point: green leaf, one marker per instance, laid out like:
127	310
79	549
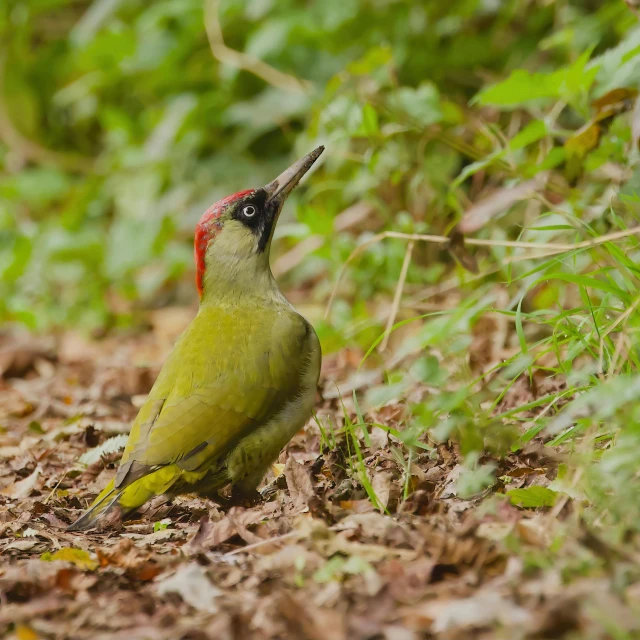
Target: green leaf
369	120
421	104
533	497
522	87
15	261
588	281
338	566
532	132
160	525
35	427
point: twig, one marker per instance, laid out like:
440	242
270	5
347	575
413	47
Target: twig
242	60
398	294
585	244
552	248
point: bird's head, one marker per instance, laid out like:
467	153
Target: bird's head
233	237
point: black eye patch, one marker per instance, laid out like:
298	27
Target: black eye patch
252	211
258	214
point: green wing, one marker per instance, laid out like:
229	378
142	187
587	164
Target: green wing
229	373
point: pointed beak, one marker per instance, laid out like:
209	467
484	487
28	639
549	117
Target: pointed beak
279	189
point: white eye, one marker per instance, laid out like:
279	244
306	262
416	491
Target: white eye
249	211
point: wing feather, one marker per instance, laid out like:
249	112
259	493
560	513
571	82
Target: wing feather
205	400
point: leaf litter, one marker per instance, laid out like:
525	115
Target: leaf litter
317	560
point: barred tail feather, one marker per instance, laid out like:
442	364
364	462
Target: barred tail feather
102	506
129	498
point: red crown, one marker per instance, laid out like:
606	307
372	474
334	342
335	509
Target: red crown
206	230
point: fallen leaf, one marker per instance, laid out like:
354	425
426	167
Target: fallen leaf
23	488
379	438
308	621
381	483
226	528
396	632
78	557
197	541
137	563
519	472
534	531
191	583
38	608
241	529
22	545
480	610
299	483
20	355
23	632
494	531
373	524
533	497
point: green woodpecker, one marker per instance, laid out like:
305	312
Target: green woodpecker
239	382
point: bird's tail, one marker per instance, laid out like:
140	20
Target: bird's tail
105	504
124	500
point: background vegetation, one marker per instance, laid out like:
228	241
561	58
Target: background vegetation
503	122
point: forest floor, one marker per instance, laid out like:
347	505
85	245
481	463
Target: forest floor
318	561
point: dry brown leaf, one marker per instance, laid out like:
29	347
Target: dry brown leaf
191	583
125	554
47	605
299	484
23	488
381	483
226	528
308	621
21	352
480	610
199	538
379	438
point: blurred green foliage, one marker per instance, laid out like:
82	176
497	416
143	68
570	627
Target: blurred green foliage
118	127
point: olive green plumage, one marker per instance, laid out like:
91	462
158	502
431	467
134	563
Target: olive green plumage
238	384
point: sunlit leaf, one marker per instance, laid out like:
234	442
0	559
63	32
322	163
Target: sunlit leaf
533	497
80	558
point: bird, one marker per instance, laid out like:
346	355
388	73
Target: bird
239	382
